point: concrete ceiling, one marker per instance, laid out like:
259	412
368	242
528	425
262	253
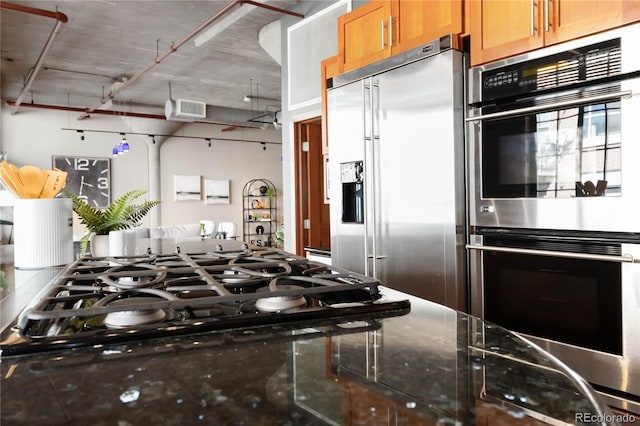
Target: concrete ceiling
106	42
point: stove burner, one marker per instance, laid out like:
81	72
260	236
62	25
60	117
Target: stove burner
280	303
129	276
132	318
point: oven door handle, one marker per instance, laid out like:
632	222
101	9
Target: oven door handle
625	258
572	102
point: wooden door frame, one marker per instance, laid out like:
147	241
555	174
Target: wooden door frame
301	200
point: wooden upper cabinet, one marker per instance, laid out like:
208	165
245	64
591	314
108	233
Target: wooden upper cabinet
363	35
418	22
382	28
503	28
571	19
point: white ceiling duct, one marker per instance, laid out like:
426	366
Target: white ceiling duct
184	110
221	115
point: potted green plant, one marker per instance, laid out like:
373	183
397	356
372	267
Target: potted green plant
123	213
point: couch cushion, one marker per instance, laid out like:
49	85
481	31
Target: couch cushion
186	230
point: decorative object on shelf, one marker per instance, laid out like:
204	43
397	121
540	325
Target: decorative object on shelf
187	187
257	204
260	213
121	214
216	191
89	178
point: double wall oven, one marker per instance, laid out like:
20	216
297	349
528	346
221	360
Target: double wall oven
554	204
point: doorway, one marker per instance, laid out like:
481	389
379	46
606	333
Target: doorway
312	208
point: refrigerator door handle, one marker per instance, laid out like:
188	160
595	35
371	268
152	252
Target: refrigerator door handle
367	132
375	93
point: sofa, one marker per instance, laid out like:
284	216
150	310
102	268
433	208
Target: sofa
226	230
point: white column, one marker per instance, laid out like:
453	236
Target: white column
153	153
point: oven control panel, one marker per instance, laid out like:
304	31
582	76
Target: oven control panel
588	63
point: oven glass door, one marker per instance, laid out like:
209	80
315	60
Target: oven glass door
569	300
558	153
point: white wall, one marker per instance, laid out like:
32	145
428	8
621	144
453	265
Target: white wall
32	136
237	161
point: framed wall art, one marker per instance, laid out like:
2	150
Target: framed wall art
216	191
188	187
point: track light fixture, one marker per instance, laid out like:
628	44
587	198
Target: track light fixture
81	134
122	147
209	141
125	144
153	138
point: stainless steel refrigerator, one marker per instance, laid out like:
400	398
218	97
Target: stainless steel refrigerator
396	172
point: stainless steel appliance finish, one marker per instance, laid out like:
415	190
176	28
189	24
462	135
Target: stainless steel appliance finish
117	299
574	294
403	120
552	137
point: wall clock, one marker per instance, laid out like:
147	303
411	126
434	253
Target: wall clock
89	178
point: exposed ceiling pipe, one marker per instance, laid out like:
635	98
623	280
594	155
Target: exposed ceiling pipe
78	109
61	19
175	46
215	115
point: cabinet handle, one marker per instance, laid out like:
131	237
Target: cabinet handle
382	34
533	28
390	30
546	16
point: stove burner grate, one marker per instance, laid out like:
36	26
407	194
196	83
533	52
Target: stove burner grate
98	300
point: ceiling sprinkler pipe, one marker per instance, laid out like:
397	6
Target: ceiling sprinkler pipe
175	46
33	11
221	118
61	20
78	109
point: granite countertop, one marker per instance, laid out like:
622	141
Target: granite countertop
431	366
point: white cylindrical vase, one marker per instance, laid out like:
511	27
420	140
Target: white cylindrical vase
43	232
123	243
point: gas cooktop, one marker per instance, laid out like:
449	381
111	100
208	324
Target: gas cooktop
115	299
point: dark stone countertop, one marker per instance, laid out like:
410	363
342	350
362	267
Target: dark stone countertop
431	366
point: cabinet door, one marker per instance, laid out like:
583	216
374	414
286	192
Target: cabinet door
363	35
570	19
418	22
502	28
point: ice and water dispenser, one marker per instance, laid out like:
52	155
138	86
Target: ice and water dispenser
351	175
